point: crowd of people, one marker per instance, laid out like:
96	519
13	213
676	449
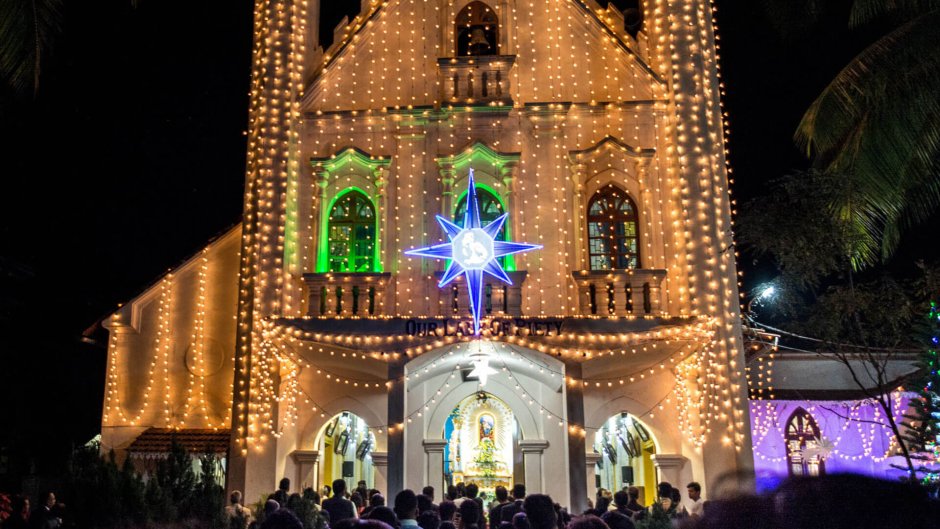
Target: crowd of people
831	502
463	507
47	515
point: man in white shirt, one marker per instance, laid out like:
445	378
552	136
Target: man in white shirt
696	503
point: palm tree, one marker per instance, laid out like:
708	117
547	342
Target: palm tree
27	28
878	124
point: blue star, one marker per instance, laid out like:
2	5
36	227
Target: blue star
473	251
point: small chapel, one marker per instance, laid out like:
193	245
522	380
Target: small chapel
483	241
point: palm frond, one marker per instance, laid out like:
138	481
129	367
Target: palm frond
27	29
872	11
878	122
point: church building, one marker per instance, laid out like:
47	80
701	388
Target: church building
483	241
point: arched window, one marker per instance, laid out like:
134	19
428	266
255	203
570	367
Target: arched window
477	30
352	234
490	208
802	437
612	230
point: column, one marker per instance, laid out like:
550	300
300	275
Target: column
380	463
591	460
532	450
380	179
434	452
307	475
396	428
448	175
578	177
574	405
669	468
322	177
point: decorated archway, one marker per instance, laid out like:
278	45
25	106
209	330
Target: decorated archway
482	440
626	446
346	443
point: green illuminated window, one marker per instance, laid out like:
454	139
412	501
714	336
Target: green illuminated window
352	234
613	241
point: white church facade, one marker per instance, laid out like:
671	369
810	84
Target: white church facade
613	355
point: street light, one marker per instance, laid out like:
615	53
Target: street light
767	292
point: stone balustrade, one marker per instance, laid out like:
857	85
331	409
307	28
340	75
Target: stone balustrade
476	80
619	292
346	294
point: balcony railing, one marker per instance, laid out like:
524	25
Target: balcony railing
476	80
498	297
346	294
619	292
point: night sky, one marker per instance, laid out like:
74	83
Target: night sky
133	156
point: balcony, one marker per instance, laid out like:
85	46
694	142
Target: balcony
499	299
478	80
346	294
619	292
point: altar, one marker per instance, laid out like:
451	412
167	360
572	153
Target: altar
480	436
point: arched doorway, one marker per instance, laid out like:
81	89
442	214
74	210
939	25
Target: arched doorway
345	443
626	447
482	439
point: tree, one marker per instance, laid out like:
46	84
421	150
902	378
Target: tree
877	122
865	322
923	422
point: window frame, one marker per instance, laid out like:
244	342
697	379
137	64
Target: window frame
796	442
353	223
609	223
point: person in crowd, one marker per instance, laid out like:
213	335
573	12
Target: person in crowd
587	521
385	515
376	500
338	506
446	510
358	501
601	503
371	523
460	494
471	515
502	499
312	496
19	515
634	506
236	514
540	510
270	506
406	508
424	503
325	492
676	509
520	521
282	492
362	489
429	492
46	515
618	520
472	491
622	503
515	506
696	503
429	520
451	493
282	519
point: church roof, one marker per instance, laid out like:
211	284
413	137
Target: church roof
157	441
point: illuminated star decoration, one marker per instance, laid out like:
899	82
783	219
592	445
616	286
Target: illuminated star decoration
473	251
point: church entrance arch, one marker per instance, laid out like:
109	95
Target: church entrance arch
482	439
626	446
525	398
346	443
